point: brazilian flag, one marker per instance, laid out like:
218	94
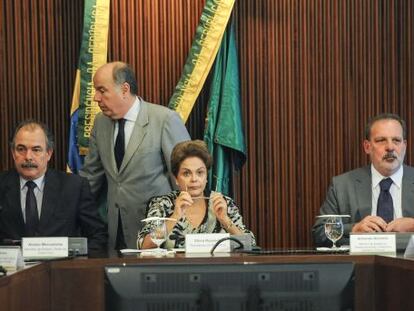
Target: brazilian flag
209	33
215	47
93	54
224	130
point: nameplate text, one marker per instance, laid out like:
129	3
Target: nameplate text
204	242
372	243
45	247
11	257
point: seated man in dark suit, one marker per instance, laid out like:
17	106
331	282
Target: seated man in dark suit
38	201
379	197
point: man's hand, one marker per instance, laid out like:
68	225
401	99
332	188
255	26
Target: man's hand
405	224
370	224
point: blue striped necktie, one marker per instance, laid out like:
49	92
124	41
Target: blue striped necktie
385	207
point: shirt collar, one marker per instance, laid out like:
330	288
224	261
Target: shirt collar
38	181
132	113
377	177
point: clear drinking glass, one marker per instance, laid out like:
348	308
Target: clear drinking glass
158	233
334	228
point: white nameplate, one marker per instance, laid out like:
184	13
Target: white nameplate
45	247
372	243
11	257
204	242
409	251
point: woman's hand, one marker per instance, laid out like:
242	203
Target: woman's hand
219	206
182	202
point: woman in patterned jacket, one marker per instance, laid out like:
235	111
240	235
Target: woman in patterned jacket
192	208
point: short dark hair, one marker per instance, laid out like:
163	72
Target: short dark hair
123	73
187	149
32	124
385	116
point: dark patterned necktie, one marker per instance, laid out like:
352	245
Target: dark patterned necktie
32	216
385	208
119	149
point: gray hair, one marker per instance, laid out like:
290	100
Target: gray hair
123	73
385	116
33	124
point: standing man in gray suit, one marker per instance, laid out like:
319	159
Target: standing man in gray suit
379	197
129	151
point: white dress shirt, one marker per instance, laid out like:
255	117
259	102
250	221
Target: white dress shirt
130	118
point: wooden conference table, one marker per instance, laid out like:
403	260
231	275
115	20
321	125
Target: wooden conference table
382	283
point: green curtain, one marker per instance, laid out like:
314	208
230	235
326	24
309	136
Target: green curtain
224	129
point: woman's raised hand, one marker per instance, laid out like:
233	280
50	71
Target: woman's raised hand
219	206
182	202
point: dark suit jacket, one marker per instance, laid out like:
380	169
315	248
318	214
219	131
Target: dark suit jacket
351	194
68	209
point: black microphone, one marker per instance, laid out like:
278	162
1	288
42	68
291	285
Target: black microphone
240	244
177	237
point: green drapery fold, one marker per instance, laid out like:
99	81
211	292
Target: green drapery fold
224	130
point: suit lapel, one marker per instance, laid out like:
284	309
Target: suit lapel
137	135
50	199
106	136
363	190
407	193
12	201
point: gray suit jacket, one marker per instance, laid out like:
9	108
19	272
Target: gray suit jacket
144	172
351	194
